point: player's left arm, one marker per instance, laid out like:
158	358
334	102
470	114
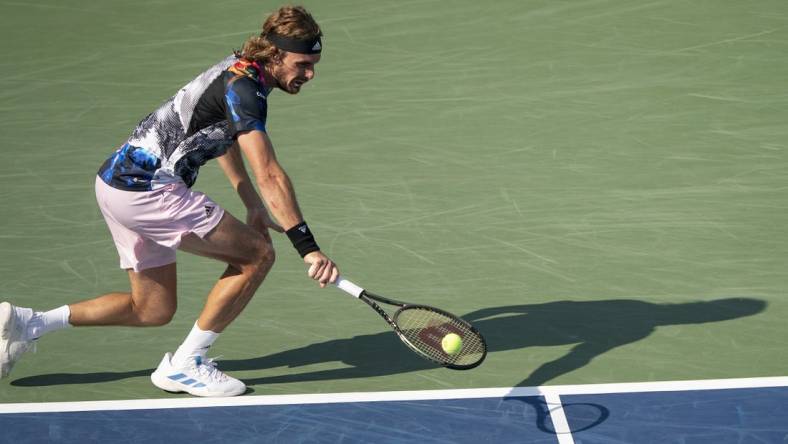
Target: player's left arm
233	166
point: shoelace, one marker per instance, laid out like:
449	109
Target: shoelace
207	368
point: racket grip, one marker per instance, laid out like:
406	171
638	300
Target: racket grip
348	287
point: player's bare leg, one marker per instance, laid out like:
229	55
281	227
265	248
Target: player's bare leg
151	302
249	255
153	297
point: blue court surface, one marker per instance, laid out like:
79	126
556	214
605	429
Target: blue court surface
751	410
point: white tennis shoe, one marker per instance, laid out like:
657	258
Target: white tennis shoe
13	343
198	377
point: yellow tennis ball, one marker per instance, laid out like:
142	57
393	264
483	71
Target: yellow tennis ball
451	343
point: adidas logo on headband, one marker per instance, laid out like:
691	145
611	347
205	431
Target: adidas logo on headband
312	46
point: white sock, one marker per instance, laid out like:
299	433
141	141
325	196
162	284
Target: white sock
44	322
196	344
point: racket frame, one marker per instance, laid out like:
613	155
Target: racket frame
371	298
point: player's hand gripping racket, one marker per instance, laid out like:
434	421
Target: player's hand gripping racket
422	328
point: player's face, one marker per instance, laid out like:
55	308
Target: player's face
294	70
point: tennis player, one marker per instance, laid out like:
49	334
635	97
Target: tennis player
144	190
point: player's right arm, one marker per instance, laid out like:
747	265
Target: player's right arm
272	180
279	196
246	112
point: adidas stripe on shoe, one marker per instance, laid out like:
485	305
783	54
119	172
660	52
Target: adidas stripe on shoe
198	377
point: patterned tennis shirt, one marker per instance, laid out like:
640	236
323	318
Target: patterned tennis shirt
197	124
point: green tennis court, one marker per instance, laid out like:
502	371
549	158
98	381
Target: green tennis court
598	185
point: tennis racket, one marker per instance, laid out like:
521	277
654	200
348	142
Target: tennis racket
422	328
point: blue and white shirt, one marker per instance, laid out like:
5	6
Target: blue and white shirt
197	124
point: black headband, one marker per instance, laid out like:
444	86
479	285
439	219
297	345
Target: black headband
312	46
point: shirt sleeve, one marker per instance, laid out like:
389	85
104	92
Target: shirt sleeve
247	107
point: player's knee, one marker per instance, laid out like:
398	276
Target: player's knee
262	260
156	314
153	306
156	318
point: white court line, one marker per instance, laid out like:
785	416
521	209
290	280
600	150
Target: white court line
421	395
557	415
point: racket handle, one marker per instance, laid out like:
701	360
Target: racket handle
348	287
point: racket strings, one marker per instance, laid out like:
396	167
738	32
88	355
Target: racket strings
424	329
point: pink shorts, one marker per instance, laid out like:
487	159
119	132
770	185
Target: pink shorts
147	226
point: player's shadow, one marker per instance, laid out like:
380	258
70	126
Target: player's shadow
592	327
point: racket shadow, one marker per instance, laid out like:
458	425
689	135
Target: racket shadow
593	327
585	416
